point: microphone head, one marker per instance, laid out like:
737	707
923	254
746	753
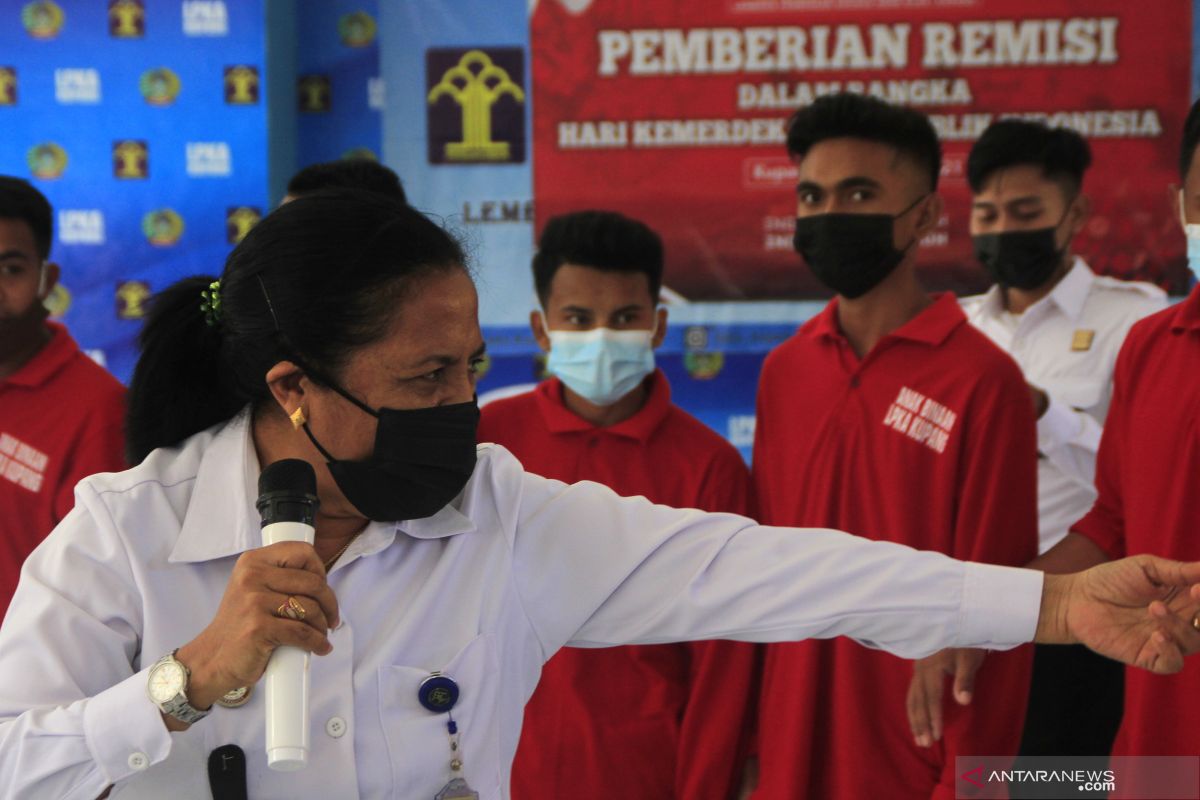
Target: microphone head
289	475
287	492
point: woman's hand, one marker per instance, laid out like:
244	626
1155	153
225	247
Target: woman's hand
1142	610
233	650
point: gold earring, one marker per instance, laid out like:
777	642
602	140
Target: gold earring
298	418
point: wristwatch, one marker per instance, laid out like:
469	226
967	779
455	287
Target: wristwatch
167	687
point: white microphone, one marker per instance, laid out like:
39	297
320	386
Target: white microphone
287	502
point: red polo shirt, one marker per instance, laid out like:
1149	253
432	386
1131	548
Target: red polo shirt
928	441
1148	484
61	419
656	721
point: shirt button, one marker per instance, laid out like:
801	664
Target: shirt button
336	727
138	761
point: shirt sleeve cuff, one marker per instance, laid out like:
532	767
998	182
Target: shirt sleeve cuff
1000	606
125	730
1059	425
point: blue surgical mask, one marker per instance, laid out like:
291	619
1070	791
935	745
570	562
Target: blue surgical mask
601	365
1192	232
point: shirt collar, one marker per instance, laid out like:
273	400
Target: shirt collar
932	326
640	427
1070	294
222	520
1187	315
46	363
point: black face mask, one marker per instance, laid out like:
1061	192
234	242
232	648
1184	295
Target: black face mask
850	253
1020	259
423	458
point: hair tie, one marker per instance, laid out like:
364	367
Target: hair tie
210	303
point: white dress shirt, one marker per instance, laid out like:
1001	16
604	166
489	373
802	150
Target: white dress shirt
485	591
1067	344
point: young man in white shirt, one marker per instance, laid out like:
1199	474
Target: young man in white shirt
1063	325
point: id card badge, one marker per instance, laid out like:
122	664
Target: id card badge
457	789
438	694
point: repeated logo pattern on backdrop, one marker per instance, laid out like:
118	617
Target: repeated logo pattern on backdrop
339	95
144	123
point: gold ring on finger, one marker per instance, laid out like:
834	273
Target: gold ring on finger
1196	622
291	609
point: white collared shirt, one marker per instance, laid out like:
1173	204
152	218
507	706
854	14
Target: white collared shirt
484	591
1067	344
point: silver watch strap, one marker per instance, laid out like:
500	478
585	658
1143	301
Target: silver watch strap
179	708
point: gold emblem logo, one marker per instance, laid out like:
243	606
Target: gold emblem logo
126	19
160	86
131	159
8	86
241	85
1082	340
238	222
704	365
162	227
476	83
47	160
43	19
362	152
131	299
316	94
58	301
357	29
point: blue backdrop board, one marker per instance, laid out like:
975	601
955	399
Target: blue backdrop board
479	186
143	122
339	94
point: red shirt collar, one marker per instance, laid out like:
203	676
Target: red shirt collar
57	353
1187	318
932	326
560	419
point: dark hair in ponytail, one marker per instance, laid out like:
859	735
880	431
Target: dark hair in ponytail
314	281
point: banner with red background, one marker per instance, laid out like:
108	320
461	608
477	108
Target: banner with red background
674	112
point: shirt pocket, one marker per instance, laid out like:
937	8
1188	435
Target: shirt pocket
418	740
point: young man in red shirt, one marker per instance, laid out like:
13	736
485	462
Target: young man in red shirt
61	415
888	415
656	721
1146	479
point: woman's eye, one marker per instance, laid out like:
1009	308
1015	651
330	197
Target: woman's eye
436	375
860	195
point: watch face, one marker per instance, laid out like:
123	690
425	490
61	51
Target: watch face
166	681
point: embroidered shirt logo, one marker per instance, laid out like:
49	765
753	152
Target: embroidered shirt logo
23	465
921	419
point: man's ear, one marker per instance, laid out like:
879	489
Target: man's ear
1177	203
537	323
660	330
288	385
1079	212
930	214
49	279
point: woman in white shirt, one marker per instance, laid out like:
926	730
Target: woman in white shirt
344	332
